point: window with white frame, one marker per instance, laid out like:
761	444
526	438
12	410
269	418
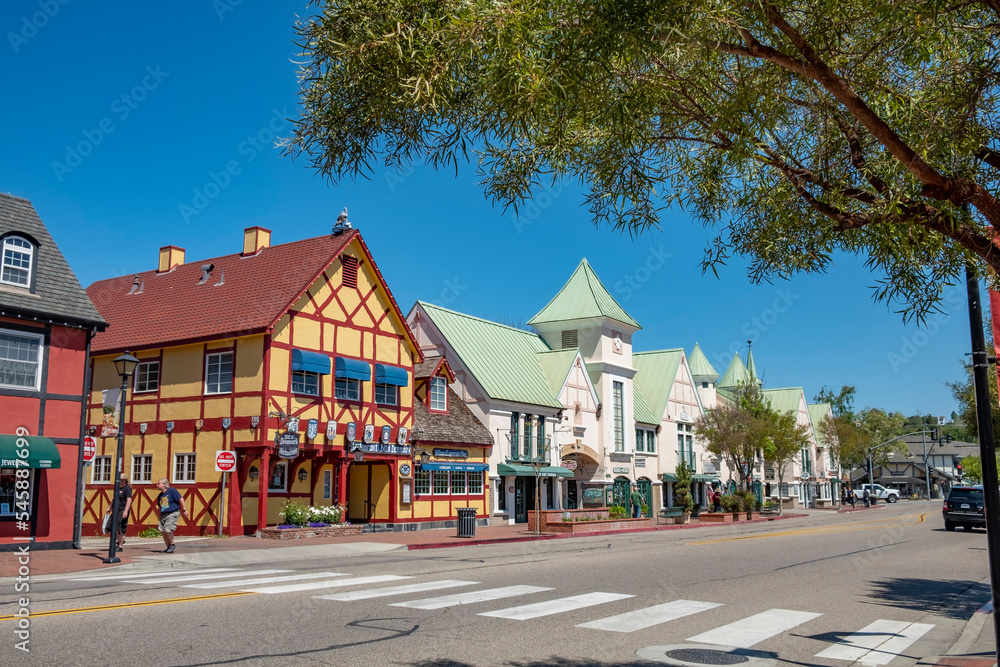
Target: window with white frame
422	481
348	389
618	390
458	483
476	483
650	442
439	394
440	479
184	467
685	444
640	440
279	478
101	473
142	468
386	394
20	359
219	373
18	254
147	376
305	382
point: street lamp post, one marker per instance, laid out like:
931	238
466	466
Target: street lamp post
125	365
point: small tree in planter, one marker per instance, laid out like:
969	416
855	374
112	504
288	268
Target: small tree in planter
731	505
682	491
747	502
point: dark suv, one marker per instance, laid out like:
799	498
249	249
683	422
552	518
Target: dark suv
964	506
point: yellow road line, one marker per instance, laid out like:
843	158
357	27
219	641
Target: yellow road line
60	612
847	528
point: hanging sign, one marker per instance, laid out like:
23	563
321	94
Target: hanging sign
401	435
331	430
352	430
385	435
369	433
288	445
292	425
312	429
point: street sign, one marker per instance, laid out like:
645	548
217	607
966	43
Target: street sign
89	449
225	461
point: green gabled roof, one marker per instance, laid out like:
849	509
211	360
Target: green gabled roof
504	360
556	365
583	296
700	366
818	412
784	400
735	376
640	410
655	377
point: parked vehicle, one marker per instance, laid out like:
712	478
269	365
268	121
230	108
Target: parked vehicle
964	506
877	491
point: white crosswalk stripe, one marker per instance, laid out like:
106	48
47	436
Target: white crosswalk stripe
332	583
200	576
396	590
550	607
122	575
266	580
471	598
754	629
650	616
877	643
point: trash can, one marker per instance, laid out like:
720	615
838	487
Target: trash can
466	522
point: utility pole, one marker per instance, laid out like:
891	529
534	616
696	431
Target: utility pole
987	448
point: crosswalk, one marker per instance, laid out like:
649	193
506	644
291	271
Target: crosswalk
876	644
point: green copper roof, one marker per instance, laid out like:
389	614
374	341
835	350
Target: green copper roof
556	365
583	296
504	360
655	377
700	366
736	375
818	412
640	411
751	366
785	400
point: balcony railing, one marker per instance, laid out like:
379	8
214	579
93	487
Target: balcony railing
527	450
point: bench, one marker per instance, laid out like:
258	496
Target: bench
668	513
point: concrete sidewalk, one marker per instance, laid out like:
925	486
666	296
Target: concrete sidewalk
976	647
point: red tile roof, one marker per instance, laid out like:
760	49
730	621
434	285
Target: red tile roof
256	290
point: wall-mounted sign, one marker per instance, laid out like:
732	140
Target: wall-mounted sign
569	465
254	421
401	435
225	423
331	430
620	471
640	463
385	435
288	445
404	470
170	427
352	430
292	425
685	416
369	433
379	448
143	427
312	429
452	453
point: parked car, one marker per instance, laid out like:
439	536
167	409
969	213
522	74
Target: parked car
964	506
877	491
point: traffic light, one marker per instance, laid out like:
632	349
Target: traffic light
958	468
947	438
934	433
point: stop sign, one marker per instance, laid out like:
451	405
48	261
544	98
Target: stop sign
225	461
89	449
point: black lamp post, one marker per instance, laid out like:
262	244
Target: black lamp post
125	365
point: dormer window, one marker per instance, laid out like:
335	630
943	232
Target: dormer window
439	395
18	254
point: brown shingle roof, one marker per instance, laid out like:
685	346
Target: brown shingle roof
426	368
460	425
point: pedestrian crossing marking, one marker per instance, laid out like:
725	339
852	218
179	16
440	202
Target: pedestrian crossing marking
266	580
754	629
471	598
123	575
395	590
650	616
877	643
196	577
332	583
529	611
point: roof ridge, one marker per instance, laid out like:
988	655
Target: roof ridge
10	196
668	349
425	304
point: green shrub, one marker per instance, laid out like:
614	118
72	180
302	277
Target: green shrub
617	512
149	532
294	514
730	503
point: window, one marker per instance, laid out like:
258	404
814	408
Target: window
527	436
651	442
640	440
17	256
219	373
20	360
618	389
305	382
327	483
350	275
476	483
458	483
540	435
685	444
348	389
440	478
147	376
101	474
142	468
386	394
14	482
806	462
439	394
184	468
278	477
515	419
422	481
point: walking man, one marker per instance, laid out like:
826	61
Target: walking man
124	507
171	506
636	499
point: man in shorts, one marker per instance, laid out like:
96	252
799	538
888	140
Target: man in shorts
171	506
124	507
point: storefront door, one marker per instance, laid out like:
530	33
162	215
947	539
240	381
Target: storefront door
620	492
571	502
646	489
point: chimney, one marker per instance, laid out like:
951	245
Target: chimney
255	239
170	256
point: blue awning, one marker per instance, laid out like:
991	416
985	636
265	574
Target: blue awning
391	375
314	362
354	369
469	467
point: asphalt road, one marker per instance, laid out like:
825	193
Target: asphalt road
795	590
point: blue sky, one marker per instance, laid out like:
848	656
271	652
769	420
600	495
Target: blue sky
133	126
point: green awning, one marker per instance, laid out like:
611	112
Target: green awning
511	470
704	478
28	451
667	477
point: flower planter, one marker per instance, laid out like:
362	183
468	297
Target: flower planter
275	533
715	517
595	526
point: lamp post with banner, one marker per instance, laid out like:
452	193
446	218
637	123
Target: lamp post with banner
125	365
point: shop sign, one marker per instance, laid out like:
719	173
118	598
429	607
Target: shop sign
385	435
379	448
288	445
312	429
569	465
640	463
331	430
292	425
369	433
452	453
620	471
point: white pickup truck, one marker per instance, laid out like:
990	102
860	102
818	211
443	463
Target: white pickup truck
877	491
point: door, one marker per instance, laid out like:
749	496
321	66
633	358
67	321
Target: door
646	490
524	498
571	503
620	492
